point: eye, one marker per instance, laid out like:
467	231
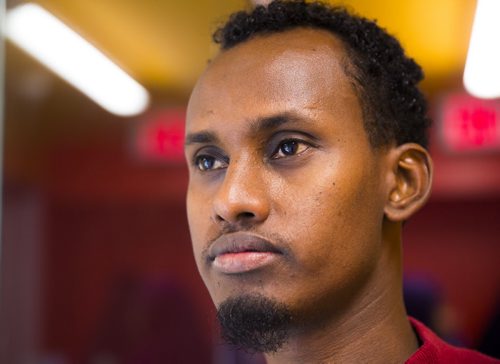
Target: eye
289	148
209	163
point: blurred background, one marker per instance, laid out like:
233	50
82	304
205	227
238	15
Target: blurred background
96	263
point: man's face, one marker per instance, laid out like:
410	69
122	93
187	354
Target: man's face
286	194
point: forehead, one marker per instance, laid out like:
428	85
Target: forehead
300	69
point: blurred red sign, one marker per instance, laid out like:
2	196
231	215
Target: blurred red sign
161	136
470	124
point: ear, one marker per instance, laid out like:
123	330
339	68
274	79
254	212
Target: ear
410	181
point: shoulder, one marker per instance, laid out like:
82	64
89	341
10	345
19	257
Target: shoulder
435	350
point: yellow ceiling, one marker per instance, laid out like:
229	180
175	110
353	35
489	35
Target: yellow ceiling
165	44
434	32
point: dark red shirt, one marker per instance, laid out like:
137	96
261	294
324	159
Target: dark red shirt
434	350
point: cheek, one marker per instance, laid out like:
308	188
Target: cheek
197	220
336	222
199	229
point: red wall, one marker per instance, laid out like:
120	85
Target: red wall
457	245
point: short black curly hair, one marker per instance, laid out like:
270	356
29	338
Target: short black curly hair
385	79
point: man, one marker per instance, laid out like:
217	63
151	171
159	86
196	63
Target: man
306	140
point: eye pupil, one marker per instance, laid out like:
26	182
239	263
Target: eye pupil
289	148
206	163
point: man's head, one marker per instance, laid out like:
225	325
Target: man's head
384	78
304	160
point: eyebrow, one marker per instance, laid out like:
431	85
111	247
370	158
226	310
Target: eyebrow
264	123
273	121
202	137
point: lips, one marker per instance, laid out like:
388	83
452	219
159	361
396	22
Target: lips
241	252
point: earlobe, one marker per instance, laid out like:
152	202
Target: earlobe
411	181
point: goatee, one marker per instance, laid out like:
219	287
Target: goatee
254	323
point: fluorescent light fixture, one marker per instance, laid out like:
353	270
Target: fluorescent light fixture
482	68
67	54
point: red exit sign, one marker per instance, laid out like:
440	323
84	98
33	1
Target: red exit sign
160	137
470	124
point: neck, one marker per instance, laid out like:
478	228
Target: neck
373	329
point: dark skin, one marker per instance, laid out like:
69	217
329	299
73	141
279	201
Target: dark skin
288	199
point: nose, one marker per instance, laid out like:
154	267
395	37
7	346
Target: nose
242	197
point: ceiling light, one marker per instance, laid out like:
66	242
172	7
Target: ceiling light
67	54
482	68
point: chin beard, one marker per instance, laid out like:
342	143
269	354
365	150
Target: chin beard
254	323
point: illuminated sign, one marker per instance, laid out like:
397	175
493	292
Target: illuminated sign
161	136
470	124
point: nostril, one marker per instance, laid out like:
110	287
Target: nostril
246	215
243	216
